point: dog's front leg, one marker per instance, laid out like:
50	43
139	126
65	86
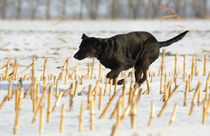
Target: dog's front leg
113	74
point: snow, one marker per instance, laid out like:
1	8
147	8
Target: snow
57	40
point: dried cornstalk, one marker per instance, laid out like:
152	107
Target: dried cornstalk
106	86
131	94
63	114
193	67
205	105
10	89
62	73
89	96
27	91
190	83
175	66
165	92
50	95
175	80
96	90
17	94
55	80
88	75
7	70
127	110
71	97
45	67
76	88
162	63
3	102
67	71
208	106
119	109
196	65
152	116
119	102
57	88
124	94
24	78
40	104
92	116
41	126
68	90
186	93
17	119
99	74
207	86
184	69
169	88
167	102
148	86
92	70
204	65
132	76
100	99
45	81
162	71
110	88
173	115
33	69
57	101
37	94
107	106
133	115
82	80
81	116
161	84
165	78
151	78
33	93
15	74
115	85
119	122
199	96
14	92
195	98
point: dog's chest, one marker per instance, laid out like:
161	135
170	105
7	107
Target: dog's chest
109	63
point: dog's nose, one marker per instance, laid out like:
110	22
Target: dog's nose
76	56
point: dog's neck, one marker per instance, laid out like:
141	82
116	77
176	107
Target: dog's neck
100	49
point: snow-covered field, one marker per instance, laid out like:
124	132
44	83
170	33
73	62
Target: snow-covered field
58	40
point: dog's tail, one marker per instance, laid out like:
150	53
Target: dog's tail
172	40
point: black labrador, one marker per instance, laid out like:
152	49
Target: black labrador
123	51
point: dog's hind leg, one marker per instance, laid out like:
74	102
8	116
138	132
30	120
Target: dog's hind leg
120	82
138	74
146	64
142	69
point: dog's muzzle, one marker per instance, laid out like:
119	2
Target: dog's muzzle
76	56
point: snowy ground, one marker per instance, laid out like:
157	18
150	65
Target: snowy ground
57	40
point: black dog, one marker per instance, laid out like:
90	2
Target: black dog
123	51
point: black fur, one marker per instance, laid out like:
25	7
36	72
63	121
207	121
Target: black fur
124	51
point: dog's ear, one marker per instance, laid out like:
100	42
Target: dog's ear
84	36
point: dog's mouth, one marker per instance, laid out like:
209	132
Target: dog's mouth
79	57
76	56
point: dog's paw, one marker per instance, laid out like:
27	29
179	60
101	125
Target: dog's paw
110	75
137	85
120	82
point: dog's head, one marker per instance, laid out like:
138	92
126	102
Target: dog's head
86	48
